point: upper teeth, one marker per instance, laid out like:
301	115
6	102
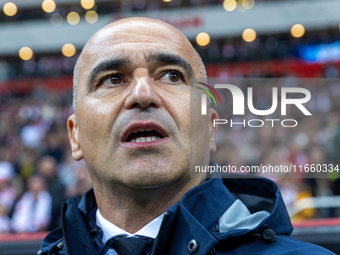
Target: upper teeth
145	139
142	130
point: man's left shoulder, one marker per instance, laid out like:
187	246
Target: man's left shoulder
291	245
285	245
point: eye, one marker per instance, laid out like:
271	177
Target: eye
115	79
112	80
172	76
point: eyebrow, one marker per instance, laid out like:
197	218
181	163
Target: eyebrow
106	66
114	64
171	59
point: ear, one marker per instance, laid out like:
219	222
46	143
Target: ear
73	136
212	130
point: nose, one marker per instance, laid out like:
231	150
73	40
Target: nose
143	94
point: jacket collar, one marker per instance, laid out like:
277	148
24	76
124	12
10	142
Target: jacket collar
262	194
192	218
196	216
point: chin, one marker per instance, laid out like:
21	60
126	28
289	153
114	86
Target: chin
152	178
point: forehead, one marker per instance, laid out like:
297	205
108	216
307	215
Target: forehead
137	31
135	40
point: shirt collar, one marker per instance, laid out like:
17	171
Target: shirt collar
110	230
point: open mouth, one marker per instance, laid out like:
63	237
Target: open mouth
147	133
144	135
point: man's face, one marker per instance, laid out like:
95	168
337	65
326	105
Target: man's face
132	120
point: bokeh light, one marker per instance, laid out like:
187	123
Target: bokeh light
301	139
203	39
167	1
10	9
87	4
25	53
56	20
297	30
48	6
91	17
229	5
248	4
68	50
73	18
249	35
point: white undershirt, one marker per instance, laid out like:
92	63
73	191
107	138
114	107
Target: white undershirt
110	230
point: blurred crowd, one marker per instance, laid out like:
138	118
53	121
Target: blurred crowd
40	66
315	140
37	172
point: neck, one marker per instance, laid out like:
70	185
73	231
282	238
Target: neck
132	208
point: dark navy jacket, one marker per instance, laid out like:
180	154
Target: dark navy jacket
196	225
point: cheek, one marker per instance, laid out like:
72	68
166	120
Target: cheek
193	127
199	126
179	109
185	113
96	118
101	114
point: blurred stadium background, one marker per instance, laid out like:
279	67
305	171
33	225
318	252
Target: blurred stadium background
39	45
